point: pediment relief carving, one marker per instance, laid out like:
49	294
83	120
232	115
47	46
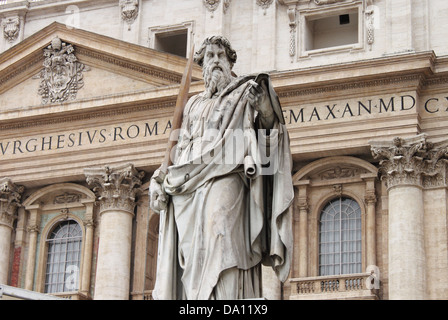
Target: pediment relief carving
335	170
59	71
92	49
65	195
338	172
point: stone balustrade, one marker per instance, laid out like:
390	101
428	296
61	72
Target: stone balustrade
347	286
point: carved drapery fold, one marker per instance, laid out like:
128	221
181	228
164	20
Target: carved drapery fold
413	161
62	75
116	188
10	196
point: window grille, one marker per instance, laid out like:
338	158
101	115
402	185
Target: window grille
63	259
340	238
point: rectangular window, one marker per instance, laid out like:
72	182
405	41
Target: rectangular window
174	39
332	31
174	43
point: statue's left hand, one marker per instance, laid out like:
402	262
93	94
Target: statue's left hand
157	197
258	98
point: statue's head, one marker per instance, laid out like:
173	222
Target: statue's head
216	57
220	41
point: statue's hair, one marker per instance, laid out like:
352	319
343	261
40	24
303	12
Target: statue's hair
219	40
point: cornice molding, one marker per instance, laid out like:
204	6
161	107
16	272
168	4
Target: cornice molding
164	75
117	111
358	84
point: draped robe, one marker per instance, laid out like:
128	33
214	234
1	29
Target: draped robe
225	216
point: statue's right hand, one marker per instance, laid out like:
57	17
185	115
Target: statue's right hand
157	197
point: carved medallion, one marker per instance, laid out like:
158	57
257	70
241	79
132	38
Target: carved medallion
62	75
264	3
211	4
129	10
11	28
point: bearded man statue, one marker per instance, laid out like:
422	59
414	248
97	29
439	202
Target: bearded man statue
224	203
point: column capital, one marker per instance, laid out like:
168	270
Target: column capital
411	161
370	197
10	196
116	187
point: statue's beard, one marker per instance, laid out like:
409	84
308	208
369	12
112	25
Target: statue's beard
216	79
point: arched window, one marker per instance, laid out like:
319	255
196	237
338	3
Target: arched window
340	238
63	259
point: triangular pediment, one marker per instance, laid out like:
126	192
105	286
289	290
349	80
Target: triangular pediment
87	70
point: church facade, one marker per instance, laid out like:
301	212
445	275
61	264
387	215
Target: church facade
87	94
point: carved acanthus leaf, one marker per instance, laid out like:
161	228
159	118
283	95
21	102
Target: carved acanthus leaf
412	161
116	188
10	196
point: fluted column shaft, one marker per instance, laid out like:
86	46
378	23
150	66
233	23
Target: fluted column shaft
116	188
10	195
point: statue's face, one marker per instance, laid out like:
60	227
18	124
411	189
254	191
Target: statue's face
216	59
217	69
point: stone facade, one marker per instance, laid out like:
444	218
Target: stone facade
87	94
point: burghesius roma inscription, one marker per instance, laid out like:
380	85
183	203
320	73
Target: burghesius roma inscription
224	202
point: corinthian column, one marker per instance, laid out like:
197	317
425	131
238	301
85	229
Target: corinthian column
117	189
10	195
406	165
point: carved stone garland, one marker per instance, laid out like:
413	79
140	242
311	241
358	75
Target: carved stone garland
10	196
116	188
62	75
370	26
412	161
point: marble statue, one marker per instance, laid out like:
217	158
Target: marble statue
224	203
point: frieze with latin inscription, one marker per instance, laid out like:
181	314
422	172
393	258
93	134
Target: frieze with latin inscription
295	116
